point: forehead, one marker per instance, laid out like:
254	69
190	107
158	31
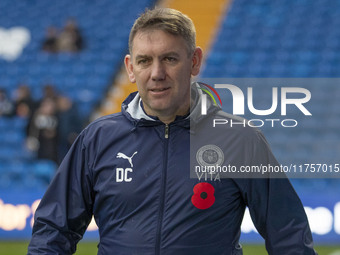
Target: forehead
157	41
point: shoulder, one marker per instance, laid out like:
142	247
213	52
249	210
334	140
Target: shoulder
112	121
108	126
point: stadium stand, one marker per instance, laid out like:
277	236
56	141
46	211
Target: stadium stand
287	39
83	76
277	39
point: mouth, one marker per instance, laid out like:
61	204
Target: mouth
159	90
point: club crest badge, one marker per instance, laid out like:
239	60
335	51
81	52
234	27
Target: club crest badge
210	155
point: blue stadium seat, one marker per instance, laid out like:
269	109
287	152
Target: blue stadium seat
281	39
44	170
269	39
12	138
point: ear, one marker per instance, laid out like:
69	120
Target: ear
196	61
129	68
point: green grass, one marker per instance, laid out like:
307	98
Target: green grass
260	250
88	248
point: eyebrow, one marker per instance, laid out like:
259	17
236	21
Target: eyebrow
171	53
142	57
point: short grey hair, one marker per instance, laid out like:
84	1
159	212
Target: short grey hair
168	20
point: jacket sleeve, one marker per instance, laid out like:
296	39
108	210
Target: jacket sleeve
66	208
276	209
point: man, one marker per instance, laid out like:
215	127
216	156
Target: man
131	170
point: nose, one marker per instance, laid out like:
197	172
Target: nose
158	72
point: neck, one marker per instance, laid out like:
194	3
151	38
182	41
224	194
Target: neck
167	118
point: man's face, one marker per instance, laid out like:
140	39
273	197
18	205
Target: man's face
162	68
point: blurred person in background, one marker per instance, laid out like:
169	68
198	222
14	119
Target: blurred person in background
69	125
70	38
50	43
23	101
49	91
6	105
43	131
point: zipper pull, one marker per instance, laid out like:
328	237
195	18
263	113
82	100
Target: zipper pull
166	131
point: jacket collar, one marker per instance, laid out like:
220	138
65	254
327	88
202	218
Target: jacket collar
135	109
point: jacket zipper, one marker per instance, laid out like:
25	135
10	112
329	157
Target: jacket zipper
163	188
166	135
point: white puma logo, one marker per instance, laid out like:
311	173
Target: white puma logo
122	155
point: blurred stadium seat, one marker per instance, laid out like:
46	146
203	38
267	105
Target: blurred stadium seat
83	76
287	39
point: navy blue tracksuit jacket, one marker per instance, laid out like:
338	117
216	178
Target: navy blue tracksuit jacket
134	174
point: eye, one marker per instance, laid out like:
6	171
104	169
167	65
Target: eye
142	61
170	59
